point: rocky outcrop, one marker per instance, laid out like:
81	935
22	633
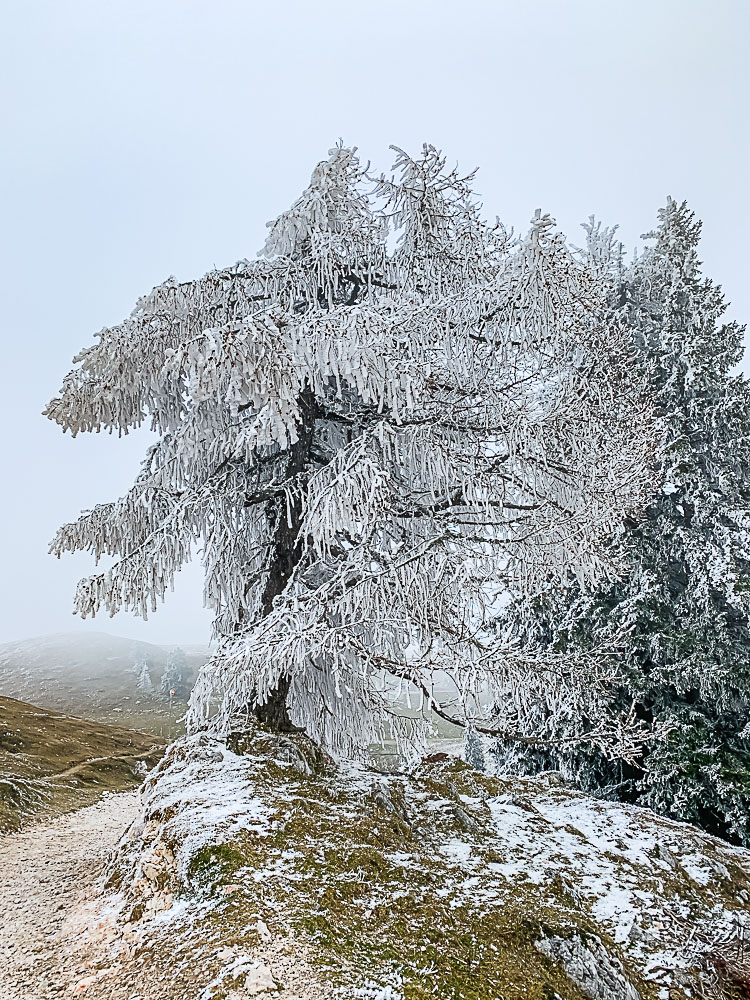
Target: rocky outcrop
259	857
589	964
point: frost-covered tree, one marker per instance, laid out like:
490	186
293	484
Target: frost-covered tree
394	415
473	752
143	680
174	679
676	628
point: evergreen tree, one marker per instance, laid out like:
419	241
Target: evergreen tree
173	680
474	749
143	675
675	629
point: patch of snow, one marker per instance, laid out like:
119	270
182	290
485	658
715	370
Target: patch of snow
617	856
208	799
375	991
456	850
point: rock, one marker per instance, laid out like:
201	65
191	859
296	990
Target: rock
263	931
159	902
256	977
588	964
259	980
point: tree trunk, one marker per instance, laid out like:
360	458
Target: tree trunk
273	712
284	555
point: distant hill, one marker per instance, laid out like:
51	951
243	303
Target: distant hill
98	676
95	676
51	763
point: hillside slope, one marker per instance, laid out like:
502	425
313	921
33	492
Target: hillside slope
50	763
94	675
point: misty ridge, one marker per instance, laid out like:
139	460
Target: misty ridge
101	677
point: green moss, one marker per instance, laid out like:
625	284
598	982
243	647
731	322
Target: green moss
350	873
217	864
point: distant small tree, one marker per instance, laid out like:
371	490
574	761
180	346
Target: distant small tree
474	749
395	415
174	679
143	680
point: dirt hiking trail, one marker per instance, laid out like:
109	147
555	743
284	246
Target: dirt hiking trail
48	874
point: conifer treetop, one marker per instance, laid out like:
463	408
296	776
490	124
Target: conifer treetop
671	636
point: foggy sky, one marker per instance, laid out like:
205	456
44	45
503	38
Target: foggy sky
143	139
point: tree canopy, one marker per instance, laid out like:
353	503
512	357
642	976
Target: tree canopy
395	417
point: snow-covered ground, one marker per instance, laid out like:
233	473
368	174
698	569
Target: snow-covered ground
546	881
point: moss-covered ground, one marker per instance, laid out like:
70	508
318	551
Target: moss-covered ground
381	879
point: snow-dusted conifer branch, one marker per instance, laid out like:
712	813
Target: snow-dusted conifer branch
368	444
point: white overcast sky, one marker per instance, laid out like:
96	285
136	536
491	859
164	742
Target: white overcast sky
143	139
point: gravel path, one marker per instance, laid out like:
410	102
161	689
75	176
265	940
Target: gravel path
60	939
48	874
